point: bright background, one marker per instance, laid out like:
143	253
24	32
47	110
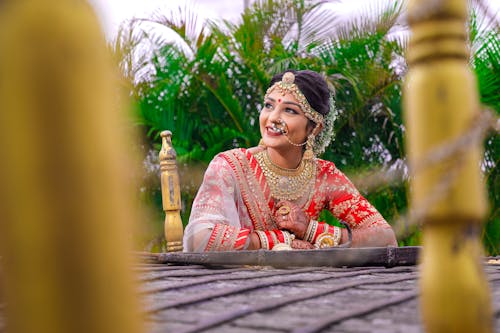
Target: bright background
114	12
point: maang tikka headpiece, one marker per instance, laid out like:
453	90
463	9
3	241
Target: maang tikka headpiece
287	86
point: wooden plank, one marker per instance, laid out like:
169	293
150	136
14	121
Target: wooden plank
333	257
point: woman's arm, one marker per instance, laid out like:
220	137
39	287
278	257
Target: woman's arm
368	227
214	224
370	237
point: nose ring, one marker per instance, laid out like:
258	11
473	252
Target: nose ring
281	125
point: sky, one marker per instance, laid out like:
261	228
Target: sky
113	12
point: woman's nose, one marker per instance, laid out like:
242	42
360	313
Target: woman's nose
275	115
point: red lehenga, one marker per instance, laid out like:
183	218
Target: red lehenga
234	199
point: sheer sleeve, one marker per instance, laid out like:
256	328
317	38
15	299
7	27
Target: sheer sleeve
348	205
214	224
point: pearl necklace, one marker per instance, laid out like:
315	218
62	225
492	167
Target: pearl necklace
287	184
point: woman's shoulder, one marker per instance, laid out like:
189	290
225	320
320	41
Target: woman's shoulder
325	166
229	154
329	169
239	152
234	156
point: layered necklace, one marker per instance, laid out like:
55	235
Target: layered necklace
287	184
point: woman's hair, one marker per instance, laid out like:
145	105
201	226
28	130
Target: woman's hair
313	86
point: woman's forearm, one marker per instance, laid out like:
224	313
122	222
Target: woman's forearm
370	237
254	242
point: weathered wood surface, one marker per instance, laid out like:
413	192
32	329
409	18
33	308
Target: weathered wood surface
233	299
334	257
193	298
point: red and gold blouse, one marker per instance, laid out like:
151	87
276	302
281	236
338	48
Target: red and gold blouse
235	199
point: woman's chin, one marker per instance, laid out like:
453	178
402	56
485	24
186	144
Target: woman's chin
275	142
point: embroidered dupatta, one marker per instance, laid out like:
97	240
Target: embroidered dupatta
253	186
233	200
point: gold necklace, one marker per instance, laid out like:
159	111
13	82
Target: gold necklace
287	184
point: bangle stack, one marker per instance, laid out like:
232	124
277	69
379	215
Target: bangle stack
275	239
329	238
312	228
322	235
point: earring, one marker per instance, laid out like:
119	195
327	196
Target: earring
309	152
261	143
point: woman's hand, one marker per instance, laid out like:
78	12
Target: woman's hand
299	244
289	216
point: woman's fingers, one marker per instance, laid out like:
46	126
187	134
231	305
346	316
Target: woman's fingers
301	244
289	216
288	225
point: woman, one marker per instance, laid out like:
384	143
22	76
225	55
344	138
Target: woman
270	196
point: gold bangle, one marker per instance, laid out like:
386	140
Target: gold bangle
328	239
325	240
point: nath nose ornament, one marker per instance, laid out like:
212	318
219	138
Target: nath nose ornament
280	125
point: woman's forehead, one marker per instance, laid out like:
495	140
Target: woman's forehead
277	96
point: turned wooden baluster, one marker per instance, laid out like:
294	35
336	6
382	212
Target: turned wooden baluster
171	194
67	205
441	104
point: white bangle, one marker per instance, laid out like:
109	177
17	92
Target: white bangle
311	231
263	239
337	234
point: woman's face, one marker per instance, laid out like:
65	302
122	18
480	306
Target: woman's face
286	108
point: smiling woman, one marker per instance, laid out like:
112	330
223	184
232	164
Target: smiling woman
271	196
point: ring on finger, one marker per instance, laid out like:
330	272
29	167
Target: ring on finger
284	210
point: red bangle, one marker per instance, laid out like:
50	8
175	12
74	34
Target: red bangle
271	239
280	235
319	231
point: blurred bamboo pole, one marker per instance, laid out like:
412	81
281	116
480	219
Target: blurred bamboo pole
171	194
66	199
441	104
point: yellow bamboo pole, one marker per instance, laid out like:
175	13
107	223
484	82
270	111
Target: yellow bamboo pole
171	194
441	104
66	197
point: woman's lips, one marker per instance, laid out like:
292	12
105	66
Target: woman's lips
273	131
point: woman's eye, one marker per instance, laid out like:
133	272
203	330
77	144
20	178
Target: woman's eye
268	105
292	111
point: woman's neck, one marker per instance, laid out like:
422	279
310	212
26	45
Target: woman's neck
288	159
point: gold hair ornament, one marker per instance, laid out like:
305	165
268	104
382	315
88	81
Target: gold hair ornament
287	86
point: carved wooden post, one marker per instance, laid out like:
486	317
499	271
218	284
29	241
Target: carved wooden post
67	203
171	194
441	104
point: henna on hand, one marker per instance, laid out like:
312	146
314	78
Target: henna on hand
289	216
301	245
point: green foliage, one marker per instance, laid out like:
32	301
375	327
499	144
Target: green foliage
207	84
485	44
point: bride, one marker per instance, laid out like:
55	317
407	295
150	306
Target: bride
270	196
